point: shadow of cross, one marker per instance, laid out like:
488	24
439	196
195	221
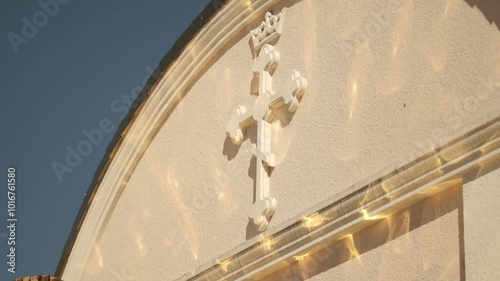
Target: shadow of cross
263	113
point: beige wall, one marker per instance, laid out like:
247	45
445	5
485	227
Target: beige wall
482	227
418	243
417	75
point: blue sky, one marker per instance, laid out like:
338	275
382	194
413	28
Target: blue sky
60	77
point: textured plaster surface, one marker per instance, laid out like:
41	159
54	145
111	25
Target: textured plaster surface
482	227
413	77
427	253
418	243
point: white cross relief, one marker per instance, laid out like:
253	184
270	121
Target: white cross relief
262	113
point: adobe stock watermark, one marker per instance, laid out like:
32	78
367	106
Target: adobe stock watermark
31	26
212	191
455	118
381	19
11	264
75	155
459	115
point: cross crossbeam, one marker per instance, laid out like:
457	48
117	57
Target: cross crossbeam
262	113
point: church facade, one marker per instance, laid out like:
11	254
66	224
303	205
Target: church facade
308	140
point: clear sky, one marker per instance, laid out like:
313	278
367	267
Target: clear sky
60	74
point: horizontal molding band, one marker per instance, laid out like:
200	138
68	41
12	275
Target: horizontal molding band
463	157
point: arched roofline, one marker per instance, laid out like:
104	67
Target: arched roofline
207	36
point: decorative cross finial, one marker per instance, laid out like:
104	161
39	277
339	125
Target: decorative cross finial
262	113
269	29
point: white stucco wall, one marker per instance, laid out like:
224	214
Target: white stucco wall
422	72
421	242
481	227
427	253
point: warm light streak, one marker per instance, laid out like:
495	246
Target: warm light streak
95	264
99	255
395	50
236	139
354	93
281	141
194	252
313	220
187	211
387	189
302	257
193	51
437	188
221	191
140	245
224	264
276	126
447	8
351	246
268	243
366	216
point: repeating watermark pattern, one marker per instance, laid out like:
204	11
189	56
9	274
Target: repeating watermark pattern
11	219
459	115
212	191
75	155
31	26
380	20
455	118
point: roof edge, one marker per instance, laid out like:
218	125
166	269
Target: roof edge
179	45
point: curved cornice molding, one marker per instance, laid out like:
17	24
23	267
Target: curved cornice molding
180	75
418	176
